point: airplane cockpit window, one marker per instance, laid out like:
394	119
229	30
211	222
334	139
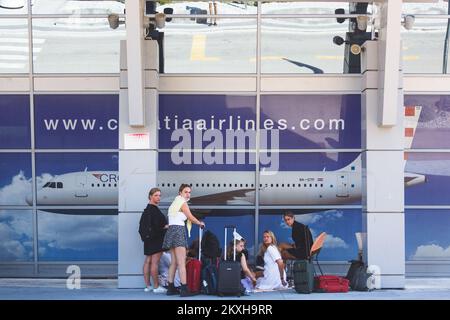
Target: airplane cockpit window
52	185
46	185
59	185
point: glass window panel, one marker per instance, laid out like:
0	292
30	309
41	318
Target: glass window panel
216	219
76	45
15	179
427	178
228	183
14	46
78	7
76	121
8	7
314	178
339	224
16	235
81	235
15	121
423	46
311	121
196	47
431	114
427	234
295	7
301	45
88	179
209	7
231	116
437	7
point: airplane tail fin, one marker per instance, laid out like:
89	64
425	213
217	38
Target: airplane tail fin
412	114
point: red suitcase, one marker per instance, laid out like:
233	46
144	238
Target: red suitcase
330	284
194	269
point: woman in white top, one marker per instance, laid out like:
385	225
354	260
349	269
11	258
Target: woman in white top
274	275
175	238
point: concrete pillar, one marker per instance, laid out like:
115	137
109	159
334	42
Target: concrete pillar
383	164
138	164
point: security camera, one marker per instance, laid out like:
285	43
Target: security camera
338	40
113	20
408	22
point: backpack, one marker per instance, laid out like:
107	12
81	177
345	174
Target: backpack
358	276
209	275
210	245
145	226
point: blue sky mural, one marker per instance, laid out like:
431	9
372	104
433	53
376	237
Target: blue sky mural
15	178
427	234
64	237
16	235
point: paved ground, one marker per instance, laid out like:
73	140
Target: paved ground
55	289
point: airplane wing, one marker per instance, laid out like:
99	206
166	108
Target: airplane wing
222	197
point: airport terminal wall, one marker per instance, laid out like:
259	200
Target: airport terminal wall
59	126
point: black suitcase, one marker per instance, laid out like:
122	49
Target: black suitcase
303	271
303	276
229	277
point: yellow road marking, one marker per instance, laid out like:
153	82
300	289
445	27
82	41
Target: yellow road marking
198	49
410	58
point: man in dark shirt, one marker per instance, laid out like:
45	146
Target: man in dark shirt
302	237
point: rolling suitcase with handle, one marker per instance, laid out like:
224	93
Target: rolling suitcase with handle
229	277
194	269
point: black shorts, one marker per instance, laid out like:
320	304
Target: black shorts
152	246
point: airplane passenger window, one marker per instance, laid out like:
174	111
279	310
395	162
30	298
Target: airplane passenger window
109	184
115	184
214	185
288	185
92	185
315	185
305	185
321	185
98	184
104	185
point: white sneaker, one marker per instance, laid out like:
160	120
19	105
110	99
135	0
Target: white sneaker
160	290
148	289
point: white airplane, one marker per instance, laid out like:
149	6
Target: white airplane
341	186
338	187
80	188
12	4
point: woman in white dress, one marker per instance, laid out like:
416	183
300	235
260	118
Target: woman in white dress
274	275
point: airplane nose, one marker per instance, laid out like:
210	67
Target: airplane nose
29	200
